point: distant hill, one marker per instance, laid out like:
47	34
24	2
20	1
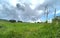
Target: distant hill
3	20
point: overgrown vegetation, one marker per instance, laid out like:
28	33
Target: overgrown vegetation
29	30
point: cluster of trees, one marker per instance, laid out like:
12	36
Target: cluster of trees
57	19
13	21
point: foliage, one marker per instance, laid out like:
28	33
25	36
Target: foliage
12	21
20	21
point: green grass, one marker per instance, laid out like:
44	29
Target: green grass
29	30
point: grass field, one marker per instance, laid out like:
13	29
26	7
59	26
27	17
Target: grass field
29	30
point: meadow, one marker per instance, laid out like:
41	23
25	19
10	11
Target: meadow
29	30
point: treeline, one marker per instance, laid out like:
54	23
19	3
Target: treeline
56	19
12	21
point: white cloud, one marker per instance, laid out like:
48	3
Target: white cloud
33	9
1	7
13	2
58	12
40	12
34	21
38	20
35	3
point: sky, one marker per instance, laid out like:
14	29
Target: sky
28	10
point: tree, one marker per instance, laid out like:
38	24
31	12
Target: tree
20	21
12	21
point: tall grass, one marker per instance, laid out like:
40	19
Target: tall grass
29	30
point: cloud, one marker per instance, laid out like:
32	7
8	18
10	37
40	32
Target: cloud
24	10
58	12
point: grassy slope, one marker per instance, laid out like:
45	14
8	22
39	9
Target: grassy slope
29	30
